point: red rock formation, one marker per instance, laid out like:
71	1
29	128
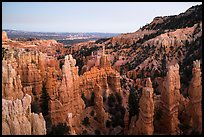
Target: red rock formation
4	36
68	99
195	95
126	122
103	75
144	124
11	82
104	62
17	118
100	112
170	101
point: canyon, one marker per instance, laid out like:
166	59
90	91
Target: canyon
130	84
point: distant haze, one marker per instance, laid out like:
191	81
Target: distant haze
112	17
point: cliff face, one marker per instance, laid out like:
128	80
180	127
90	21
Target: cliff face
170	96
17	118
195	94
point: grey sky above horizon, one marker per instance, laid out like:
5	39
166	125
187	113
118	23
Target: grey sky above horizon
115	17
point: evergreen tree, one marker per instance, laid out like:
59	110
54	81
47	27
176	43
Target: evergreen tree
45	100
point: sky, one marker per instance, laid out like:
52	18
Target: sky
110	17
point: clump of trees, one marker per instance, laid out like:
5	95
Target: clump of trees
60	129
116	110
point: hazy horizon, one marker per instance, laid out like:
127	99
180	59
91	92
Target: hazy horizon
86	17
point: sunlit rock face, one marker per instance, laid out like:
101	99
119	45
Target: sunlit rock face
11	82
144	124
170	96
4	36
17	118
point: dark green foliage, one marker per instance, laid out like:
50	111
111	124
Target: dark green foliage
111	100
108	123
181	21
150	36
86	122
84	132
60	57
95	118
60	129
158	114
92	113
3	52
58	51
97	132
163	72
92	99
187	63
32	61
133	103
84	99
119	98
80	64
84	51
101	40
45	101
35	107
117	119
33	92
61	64
116	110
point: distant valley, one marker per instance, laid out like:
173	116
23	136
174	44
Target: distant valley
67	38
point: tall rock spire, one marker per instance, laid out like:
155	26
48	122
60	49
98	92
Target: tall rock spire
170	100
195	95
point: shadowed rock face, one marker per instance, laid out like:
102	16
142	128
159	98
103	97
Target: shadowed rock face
17	118
195	94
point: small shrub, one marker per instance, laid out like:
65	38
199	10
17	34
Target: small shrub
111	100
108	123
97	132
86	121
60	129
92	113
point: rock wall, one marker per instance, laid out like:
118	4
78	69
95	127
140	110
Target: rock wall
170	96
195	96
17	118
